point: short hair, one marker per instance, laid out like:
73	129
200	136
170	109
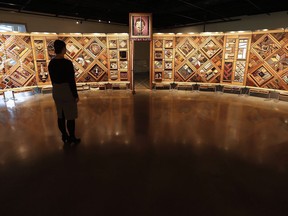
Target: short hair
59	45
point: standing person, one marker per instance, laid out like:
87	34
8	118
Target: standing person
64	92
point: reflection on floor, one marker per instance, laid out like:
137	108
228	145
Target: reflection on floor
142	80
152	153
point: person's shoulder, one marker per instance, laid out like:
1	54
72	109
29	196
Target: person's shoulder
60	59
52	61
67	60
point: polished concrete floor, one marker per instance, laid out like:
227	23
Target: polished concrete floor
153	153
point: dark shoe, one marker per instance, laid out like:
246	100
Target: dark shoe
74	140
65	139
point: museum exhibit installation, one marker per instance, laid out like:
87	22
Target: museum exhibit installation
163	60
268	63
250	59
97	58
118	46
140	30
198	58
89	56
17	67
43	51
235	58
246	59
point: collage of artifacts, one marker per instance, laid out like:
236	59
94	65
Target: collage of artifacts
257	59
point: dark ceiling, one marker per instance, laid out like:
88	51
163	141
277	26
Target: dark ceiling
166	13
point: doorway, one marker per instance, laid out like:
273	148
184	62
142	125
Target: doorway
141	62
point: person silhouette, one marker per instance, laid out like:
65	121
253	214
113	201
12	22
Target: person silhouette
64	92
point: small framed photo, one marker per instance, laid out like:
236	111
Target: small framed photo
113	65
72	49
123	54
113	75
113	44
140	26
158	54
168	65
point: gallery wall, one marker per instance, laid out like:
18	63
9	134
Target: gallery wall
268	70
243	23
36	23
255	59
97	58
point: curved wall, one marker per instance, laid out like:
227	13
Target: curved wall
210	59
256	59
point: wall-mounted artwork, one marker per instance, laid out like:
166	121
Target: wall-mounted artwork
17	67
118	48
236	52
140	26
198	58
85	51
24	58
268	63
256	59
163	58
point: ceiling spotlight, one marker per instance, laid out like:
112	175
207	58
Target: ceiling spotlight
79	22
99	20
109	21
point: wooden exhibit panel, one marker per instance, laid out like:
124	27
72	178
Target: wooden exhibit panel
88	54
43	50
2	56
268	63
118	61
255	59
163	57
235	58
17	67
198	57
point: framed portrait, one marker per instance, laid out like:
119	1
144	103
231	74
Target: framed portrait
140	26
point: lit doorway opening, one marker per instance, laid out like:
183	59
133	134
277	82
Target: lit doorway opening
141	63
